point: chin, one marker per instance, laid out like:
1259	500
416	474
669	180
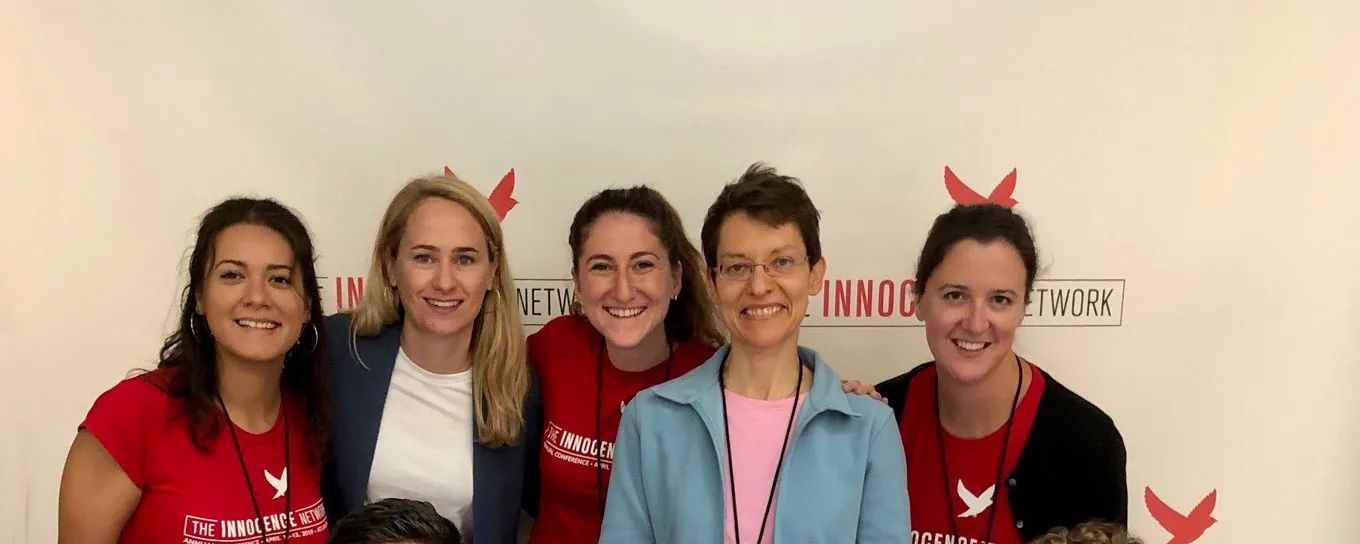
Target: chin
444	327
625	332
764	338
259	355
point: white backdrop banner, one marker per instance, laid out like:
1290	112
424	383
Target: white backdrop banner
1187	168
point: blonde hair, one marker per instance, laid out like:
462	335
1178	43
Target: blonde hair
500	375
1091	532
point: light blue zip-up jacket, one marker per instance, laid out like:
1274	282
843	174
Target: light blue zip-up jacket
844	477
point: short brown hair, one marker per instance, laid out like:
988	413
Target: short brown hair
1091	532
770	198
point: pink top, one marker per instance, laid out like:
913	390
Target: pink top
757	428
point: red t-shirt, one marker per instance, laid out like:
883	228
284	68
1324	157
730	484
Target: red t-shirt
566	354
190	497
972	469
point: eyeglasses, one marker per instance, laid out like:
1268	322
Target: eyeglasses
744	270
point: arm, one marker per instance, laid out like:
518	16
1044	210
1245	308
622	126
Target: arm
1108	478
330	494
884	514
96	497
626	516
533	441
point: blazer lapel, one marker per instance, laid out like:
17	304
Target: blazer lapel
369	391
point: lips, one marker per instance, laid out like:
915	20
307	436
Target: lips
258	324
763	311
970	346
624	313
442	304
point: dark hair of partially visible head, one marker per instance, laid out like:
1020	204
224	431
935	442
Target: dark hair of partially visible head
691	315
191	349
766	196
983	223
395	520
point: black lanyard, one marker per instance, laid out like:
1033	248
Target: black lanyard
288	476
1000	466
599	415
783	448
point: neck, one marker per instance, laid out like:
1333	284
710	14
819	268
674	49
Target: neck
442	354
975	410
250	391
651	351
765	374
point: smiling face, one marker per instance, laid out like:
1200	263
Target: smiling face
763	306
251	299
972	304
442	269
624	279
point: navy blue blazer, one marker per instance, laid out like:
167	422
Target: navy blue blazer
500	489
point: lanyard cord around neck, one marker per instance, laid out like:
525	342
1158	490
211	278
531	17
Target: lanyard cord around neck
1000	466
599	414
288	474
783	448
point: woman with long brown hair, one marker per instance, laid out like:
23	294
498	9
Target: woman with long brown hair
223	441
642	316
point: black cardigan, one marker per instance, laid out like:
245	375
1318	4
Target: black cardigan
1072	468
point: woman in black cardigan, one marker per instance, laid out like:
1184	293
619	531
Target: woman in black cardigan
1003	452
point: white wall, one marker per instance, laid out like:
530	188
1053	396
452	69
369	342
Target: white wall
1199	156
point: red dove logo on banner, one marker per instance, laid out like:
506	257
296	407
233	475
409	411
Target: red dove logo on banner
964	194
500	197
1184	529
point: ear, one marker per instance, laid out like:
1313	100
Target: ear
677	279
817	275
917	300
390	270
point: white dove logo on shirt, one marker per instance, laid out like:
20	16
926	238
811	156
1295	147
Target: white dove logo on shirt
279	484
976	503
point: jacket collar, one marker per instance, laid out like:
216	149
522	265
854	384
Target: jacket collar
699	387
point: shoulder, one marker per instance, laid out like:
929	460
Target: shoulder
566	329
337	325
1063	414
873	411
895	389
563	326
337	334
648	407
691	354
142	392
1071	408
126	410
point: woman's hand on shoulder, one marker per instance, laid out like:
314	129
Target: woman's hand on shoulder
854	386
96	497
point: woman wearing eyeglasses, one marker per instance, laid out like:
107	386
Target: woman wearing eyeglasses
760	443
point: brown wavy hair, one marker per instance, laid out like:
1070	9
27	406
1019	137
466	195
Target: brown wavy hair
692	314
191	351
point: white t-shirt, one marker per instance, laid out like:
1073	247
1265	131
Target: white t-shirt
424	449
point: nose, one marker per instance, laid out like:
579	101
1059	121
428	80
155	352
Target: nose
257	292
623	287
976	321
760	282
444	280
